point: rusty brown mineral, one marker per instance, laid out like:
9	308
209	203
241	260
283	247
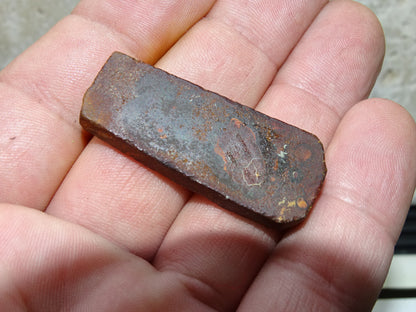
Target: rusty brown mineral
244	161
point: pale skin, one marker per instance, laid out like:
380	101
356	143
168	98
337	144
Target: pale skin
85	228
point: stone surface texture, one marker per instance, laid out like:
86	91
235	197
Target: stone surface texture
23	21
249	163
397	80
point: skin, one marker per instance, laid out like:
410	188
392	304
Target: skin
83	227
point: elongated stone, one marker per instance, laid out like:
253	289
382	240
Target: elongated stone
245	161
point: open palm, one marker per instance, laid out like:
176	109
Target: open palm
85	228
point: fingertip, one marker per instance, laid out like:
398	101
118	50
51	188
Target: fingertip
371	162
369	22
388	120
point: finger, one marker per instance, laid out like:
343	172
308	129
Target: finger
140	207
242	46
51	265
340	257
119	199
333	67
41	91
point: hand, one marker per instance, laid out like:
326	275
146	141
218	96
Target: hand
83	227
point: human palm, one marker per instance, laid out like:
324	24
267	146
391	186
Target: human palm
85	228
